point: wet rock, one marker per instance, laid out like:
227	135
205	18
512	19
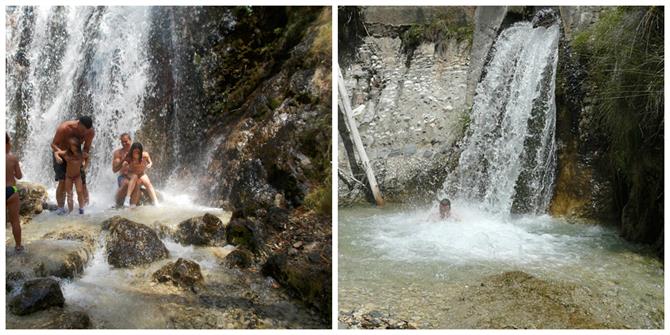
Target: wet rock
277	217
375	319
52	318
243	233
183	273
32	196
69	320
130	243
308	278
240	258
14	280
518	300
43	258
87	236
545	18
37	294
202	230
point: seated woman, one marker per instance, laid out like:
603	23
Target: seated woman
137	162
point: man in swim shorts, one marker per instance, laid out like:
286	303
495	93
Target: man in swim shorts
121	166
12	201
81	128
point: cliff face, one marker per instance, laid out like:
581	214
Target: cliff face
243	98
407	82
252	129
412	97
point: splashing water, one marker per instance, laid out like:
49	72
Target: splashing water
399	260
81	61
508	158
414	266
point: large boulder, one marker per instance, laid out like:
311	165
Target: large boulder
36	295
52	318
201	230
183	273
32	196
83	234
307	275
238	258
130	243
43	258
243	232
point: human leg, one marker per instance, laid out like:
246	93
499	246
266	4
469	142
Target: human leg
59	171
152	193
79	185
68	191
85	188
131	186
13	206
122	181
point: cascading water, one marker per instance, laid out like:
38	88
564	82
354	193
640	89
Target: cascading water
508	158
131	70
80	61
412	264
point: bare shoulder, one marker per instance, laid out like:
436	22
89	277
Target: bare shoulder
11	159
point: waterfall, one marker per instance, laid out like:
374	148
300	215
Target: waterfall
508	154
72	61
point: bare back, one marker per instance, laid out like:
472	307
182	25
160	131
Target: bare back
12	169
69	129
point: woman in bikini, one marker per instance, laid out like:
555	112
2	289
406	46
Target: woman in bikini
75	164
138	161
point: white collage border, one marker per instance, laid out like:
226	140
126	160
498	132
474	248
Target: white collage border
334	4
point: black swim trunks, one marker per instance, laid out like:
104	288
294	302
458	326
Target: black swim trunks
9	191
59	170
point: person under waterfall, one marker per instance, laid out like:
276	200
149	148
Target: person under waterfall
122	180
81	128
444	211
12	201
138	161
75	164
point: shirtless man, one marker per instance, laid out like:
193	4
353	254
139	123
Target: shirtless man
118	158
12	173
81	128
444	212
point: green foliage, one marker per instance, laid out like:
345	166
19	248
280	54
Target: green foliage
624	55
320	198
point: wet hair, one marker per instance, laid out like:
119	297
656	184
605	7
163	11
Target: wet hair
124	134
136	145
445	202
86	121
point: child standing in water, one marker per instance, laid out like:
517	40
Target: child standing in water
75	164
138	161
12	201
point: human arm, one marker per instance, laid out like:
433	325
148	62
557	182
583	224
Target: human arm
117	161
88	140
18	174
148	160
57	151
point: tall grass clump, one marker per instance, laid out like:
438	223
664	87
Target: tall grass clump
623	54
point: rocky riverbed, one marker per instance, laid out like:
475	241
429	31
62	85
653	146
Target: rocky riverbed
397	270
175	266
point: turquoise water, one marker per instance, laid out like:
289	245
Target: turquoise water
397	258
